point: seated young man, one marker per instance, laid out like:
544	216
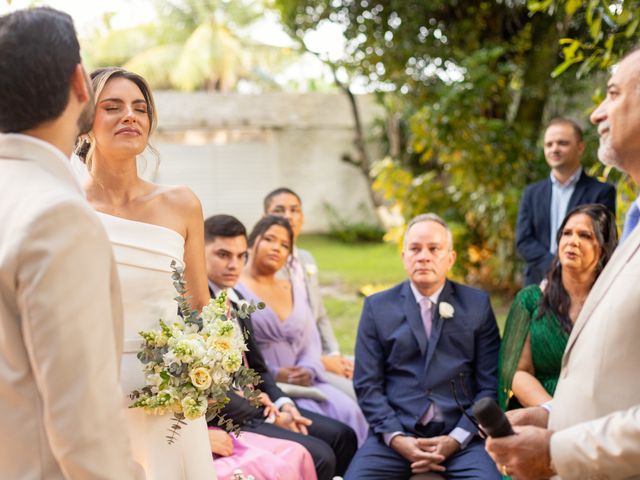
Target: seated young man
331	443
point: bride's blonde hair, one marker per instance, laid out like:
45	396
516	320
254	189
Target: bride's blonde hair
86	144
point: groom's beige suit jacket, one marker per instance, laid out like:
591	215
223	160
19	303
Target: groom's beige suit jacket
596	406
60	325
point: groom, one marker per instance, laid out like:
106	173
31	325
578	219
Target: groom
60	311
426	350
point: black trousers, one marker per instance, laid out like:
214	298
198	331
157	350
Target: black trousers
332	444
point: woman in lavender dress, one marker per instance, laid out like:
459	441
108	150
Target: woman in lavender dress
285	329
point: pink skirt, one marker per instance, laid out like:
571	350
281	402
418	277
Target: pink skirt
266	458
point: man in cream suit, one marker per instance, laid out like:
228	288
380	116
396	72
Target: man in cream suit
594	425
302	268
60	312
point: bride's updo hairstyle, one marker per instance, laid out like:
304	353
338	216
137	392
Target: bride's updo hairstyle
85	144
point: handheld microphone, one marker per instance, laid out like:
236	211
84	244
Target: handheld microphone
491	418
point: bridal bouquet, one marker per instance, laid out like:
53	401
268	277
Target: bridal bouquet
191	362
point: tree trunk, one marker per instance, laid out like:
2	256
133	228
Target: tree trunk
363	159
541	60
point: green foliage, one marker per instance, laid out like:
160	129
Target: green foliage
115	47
470	82
610	28
472	85
210	54
194	45
156	63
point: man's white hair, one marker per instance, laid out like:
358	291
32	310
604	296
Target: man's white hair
428	217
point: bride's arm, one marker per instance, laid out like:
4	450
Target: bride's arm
195	272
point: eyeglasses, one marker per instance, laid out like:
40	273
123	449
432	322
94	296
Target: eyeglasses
463	410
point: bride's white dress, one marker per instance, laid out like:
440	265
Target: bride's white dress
144	253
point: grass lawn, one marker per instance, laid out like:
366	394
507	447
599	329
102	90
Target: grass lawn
354	265
345	268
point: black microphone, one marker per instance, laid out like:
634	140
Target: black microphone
491	418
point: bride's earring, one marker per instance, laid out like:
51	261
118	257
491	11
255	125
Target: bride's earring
83	147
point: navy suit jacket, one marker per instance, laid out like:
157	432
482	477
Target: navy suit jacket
398	372
533	230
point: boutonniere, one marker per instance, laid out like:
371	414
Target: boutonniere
311	269
446	310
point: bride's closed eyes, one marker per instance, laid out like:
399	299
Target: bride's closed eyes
114	105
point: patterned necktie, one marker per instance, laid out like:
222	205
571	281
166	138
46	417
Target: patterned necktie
426	314
633	215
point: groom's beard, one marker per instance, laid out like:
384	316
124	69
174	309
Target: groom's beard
85	121
606	153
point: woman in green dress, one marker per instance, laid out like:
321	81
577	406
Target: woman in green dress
541	317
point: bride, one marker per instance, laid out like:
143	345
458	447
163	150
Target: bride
149	225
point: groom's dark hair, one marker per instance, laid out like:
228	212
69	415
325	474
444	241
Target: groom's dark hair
39	51
223	226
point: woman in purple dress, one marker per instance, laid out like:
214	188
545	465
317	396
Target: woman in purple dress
285	329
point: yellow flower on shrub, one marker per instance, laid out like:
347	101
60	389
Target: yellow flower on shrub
372	288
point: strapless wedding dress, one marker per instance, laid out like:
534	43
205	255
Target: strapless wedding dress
144	253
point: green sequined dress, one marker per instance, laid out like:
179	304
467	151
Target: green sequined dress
548	341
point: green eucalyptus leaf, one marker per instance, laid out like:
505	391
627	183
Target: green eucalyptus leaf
632	27
572	6
591	8
595	28
623	18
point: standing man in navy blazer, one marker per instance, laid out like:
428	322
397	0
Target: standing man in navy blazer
426	350
544	204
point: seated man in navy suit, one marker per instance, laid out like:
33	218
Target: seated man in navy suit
544	204
426	350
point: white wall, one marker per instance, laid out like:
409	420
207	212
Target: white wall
233	149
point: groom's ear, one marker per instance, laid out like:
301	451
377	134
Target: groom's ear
80	85
452	258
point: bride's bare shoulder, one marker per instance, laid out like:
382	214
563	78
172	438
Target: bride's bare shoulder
179	197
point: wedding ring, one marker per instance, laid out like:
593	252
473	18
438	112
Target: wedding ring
503	469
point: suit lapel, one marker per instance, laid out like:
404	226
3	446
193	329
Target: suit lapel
437	322
578	192
414	318
545	208
609	274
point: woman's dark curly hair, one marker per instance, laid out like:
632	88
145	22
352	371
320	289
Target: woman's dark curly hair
555	298
265	223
